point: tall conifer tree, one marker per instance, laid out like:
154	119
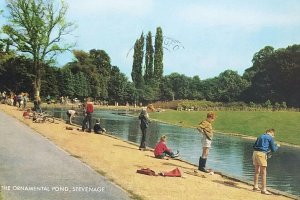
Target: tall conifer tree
137	70
158	55
149	58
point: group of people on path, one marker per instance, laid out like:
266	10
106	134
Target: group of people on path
19	100
263	145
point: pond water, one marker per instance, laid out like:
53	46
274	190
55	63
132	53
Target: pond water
229	154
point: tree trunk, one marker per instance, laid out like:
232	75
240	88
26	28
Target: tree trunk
37	79
37	87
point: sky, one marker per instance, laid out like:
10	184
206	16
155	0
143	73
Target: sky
202	38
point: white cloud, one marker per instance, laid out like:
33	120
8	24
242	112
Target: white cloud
96	7
241	17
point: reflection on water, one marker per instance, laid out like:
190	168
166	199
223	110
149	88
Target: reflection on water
229	154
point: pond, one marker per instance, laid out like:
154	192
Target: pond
229	154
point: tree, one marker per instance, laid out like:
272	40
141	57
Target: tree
67	82
96	67
117	86
5	45
81	85
131	94
166	89
37	27
230	86
137	70
277	77
101	60
209	88
195	89
158	55
149	94
149	58
180	85
5	55
50	82
258	62
17	75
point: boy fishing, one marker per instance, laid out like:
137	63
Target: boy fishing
263	145
205	128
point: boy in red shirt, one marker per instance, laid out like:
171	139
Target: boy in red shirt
161	149
89	109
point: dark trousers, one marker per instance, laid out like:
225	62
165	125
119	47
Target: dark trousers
69	118
169	153
87	118
143	140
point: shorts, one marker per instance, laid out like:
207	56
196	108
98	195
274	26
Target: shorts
259	158
205	142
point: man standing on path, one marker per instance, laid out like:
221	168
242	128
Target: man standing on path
89	109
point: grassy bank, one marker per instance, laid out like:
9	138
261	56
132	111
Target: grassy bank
241	122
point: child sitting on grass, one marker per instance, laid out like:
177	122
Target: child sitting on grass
97	128
27	114
161	150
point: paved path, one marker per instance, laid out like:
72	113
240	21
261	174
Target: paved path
31	167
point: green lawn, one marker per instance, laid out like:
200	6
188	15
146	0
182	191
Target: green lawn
286	124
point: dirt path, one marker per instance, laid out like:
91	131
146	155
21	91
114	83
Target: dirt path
118	161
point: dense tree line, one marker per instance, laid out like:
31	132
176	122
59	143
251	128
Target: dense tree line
91	74
274	76
272	79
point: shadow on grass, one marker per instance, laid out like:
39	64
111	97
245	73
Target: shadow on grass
117	145
75	156
154	157
101	172
134	196
140	166
175	165
232	184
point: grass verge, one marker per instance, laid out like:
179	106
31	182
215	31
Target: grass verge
250	123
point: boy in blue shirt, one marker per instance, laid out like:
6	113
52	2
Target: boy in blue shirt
263	145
